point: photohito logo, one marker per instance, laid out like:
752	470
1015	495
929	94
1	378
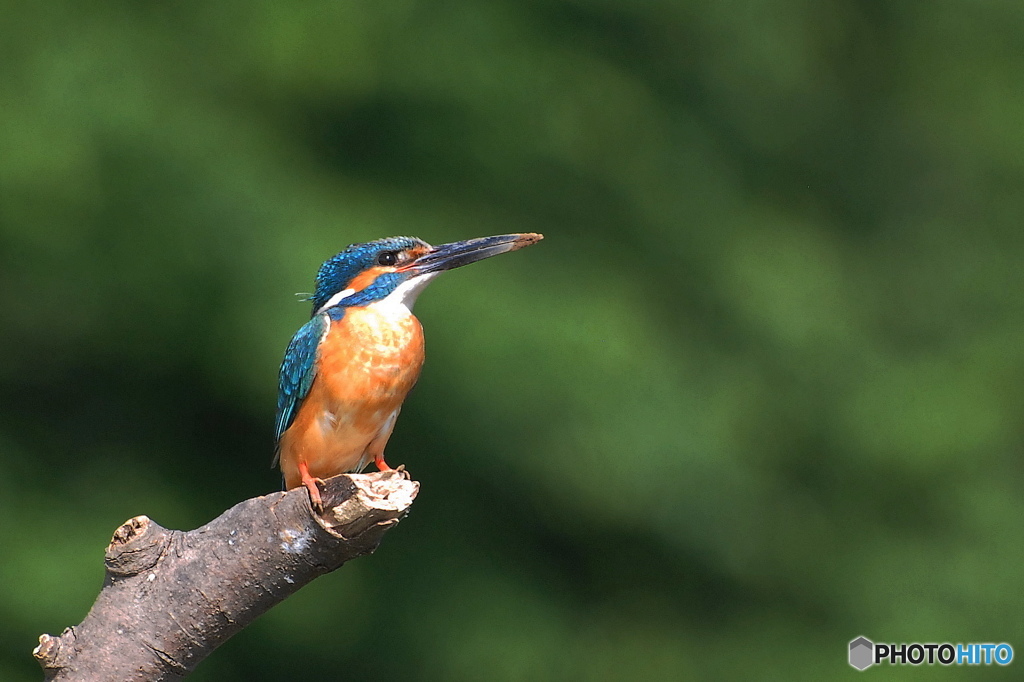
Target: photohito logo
864	653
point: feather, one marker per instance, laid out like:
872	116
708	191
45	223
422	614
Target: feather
298	369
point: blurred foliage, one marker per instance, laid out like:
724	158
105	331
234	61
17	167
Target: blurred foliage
758	392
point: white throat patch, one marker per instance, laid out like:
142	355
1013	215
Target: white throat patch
401	300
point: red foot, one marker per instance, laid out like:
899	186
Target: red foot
310	483
381	464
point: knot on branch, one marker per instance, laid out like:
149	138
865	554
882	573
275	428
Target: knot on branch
54	653
136	546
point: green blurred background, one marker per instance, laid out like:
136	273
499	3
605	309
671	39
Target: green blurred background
757	393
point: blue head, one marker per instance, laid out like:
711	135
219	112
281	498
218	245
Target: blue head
337	273
365	273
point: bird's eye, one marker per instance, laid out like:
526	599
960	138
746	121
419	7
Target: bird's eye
387	258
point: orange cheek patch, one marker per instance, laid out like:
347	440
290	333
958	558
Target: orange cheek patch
365	279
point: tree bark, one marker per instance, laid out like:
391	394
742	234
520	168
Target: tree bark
170	597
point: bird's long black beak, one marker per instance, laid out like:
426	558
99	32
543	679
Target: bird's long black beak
457	254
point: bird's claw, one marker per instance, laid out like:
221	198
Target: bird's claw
315	501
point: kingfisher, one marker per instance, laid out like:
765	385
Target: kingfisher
347	371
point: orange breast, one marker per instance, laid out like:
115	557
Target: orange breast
367	365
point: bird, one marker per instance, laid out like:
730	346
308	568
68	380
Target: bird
346	372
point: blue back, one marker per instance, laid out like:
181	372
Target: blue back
298	370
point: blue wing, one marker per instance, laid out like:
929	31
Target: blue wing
298	369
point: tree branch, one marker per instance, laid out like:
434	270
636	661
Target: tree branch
171	597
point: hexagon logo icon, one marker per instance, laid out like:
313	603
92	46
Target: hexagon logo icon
862	653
